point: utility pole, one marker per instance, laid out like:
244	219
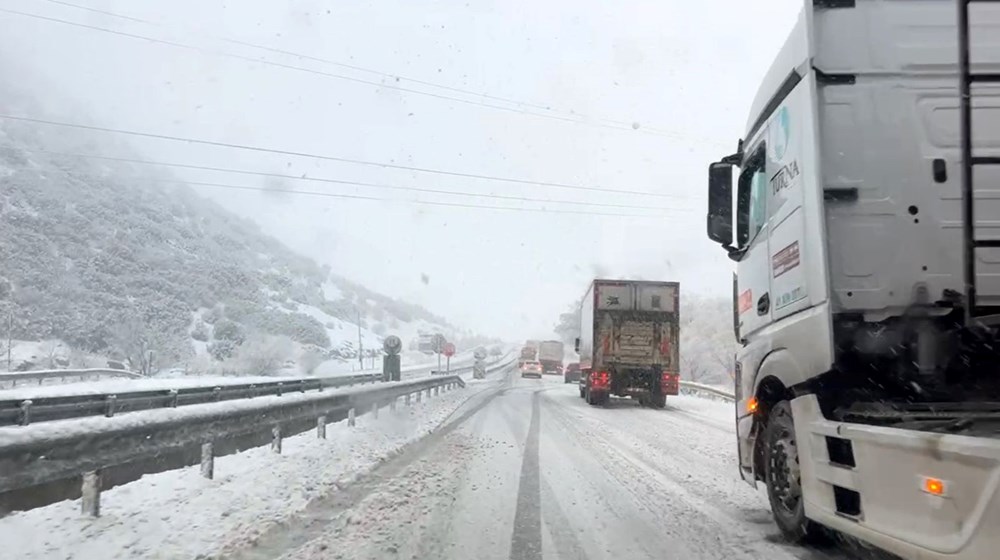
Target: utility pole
10	328
361	354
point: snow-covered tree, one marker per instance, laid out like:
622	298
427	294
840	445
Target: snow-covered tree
262	354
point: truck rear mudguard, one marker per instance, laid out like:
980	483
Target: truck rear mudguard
920	495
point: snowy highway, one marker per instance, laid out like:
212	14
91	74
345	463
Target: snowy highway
528	471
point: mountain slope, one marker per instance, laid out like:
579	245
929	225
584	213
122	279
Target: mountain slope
112	260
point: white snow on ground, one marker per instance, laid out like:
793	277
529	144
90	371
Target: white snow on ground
178	514
342	333
331	291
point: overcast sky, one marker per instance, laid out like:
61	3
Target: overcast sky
627	95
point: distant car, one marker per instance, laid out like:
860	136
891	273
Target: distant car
531	369
571	374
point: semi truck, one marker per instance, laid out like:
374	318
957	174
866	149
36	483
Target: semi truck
865	229
629	341
550	354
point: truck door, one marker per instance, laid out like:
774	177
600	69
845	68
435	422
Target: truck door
754	267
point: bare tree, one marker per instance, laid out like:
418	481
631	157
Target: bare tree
142	346
568	327
78	358
310	359
263	355
691	368
48	351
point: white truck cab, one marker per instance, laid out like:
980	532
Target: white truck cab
868	377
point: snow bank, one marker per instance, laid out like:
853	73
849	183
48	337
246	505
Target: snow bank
178	514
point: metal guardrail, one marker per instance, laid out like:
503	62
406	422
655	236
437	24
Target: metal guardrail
22	412
44	465
702	388
84	374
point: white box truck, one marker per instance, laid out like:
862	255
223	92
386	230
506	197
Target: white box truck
865	226
550	355
629	341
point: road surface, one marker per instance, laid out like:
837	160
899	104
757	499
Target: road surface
530	472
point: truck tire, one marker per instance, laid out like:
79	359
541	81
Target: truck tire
596	399
781	474
657	401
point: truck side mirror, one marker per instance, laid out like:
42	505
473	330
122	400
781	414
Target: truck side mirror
577	346
720	203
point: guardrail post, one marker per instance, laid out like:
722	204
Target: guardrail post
253	390
217	394
321	427
280	386
90	503
375	411
109	405
406	400
276	439
392	404
25	418
173	398
207	460
350	417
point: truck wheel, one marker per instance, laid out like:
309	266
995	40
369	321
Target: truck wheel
657	401
781	473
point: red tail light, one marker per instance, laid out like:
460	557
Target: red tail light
600	379
668	378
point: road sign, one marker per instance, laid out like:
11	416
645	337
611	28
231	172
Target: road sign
439	342
448	350
392	345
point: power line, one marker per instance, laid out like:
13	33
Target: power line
303	69
583	119
407	201
358	183
330	158
97	11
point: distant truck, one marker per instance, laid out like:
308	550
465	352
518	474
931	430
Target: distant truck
629	341
550	354
426	344
529	352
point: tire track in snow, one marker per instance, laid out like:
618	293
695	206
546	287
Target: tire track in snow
526	540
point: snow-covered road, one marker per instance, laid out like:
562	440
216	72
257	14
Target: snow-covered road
508	468
531	472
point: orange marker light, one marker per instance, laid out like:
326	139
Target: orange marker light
934	486
752	405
